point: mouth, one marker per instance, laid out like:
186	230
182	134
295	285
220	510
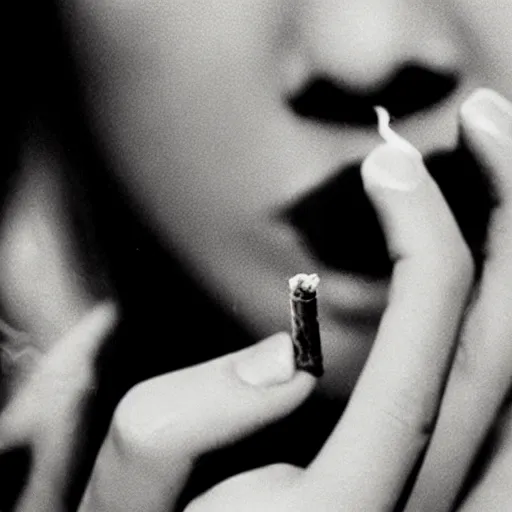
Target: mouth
324	100
339	226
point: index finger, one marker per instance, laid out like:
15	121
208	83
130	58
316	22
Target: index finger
368	458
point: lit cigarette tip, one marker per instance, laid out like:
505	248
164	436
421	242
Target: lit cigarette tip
390	136
304	283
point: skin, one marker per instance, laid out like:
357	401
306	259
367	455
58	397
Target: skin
229	145
187	102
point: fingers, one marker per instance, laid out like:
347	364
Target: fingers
163	424
492	491
483	365
58	376
48	410
386	425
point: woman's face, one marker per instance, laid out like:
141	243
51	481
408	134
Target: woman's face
191	104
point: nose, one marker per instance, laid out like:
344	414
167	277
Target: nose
363	43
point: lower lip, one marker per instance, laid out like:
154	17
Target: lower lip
325	217
340	292
365	298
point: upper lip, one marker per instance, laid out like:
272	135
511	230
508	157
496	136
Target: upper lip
411	89
339	226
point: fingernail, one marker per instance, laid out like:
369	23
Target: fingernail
489	111
267	363
390	167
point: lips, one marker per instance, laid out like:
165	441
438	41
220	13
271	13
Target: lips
340	227
411	89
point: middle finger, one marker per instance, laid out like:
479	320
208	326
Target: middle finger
483	366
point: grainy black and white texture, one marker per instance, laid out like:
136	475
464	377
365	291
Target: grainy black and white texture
305	328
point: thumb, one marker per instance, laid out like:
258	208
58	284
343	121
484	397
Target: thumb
162	425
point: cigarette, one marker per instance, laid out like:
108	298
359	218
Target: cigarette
305	329
390	136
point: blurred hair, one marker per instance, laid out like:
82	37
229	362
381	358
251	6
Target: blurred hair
117	250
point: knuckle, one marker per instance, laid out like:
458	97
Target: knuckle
463	263
453	266
467	361
473	367
132	431
125	429
411	413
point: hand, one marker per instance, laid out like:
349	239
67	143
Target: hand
481	375
163	424
48	411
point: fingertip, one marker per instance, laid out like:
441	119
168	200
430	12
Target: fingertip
389	167
305	381
108	310
489	111
100	320
268	362
486	128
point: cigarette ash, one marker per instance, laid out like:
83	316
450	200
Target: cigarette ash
304	285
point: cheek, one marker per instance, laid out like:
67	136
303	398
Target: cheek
487	25
185	101
162	58
180	91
